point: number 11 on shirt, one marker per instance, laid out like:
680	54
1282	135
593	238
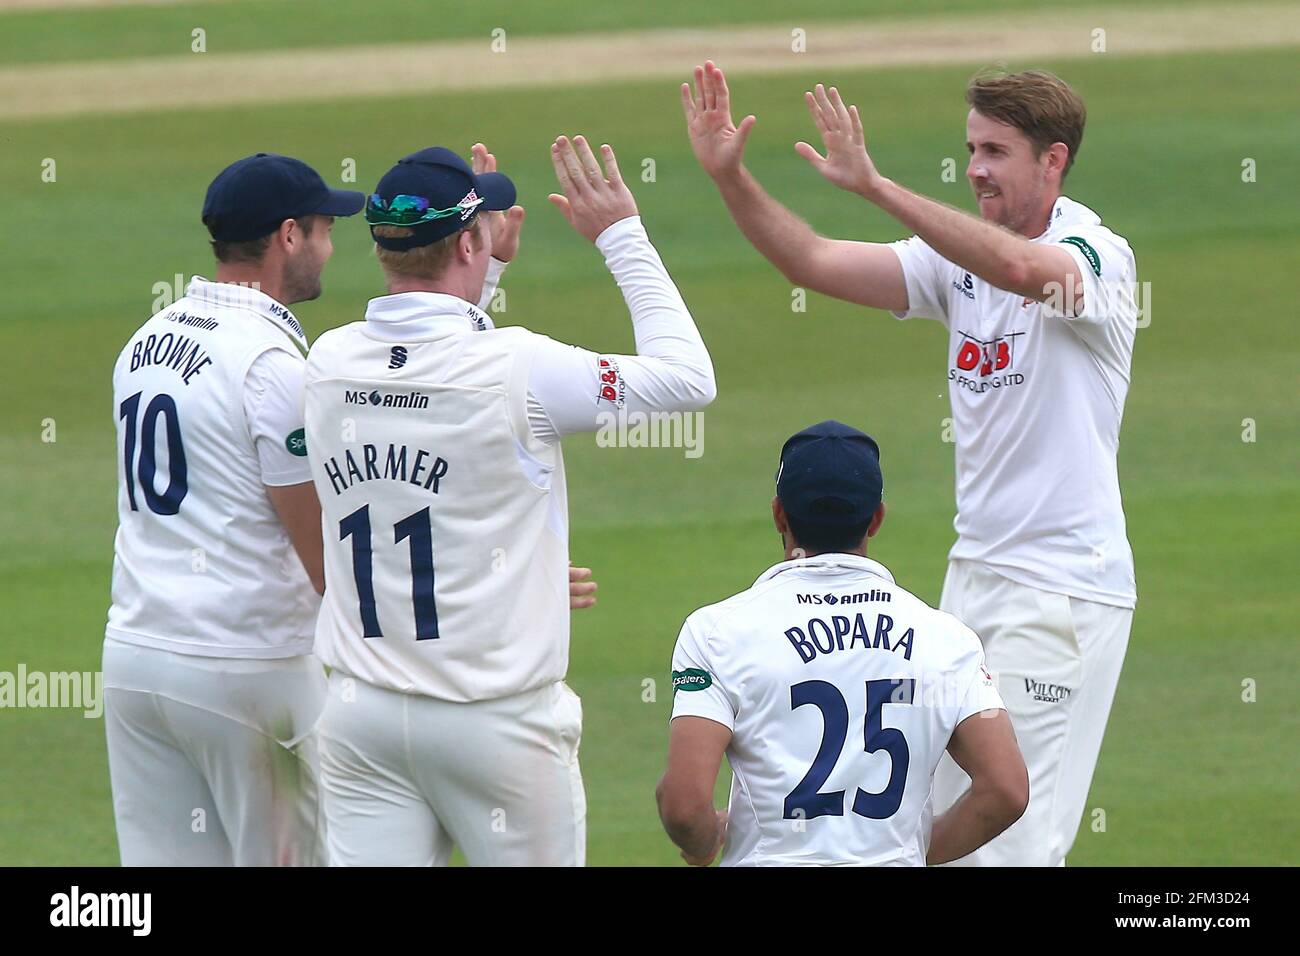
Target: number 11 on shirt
416	528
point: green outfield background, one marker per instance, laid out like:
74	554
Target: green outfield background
1190	772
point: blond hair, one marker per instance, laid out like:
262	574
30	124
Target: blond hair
422	262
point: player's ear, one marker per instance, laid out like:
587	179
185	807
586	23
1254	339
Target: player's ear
778	516
1057	156
466	242
877	520
289	236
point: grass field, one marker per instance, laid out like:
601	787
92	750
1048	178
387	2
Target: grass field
1189	774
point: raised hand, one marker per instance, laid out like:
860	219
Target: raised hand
718	143
593	200
504	225
846	162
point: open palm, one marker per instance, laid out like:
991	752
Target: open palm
718	143
846	162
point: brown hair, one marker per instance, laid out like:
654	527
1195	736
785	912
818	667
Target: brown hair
253	250
1039	104
422	262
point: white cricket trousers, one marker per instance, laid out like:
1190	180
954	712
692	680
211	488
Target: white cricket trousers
213	760
1056	660
406	777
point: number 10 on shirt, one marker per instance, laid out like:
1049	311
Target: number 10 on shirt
418	530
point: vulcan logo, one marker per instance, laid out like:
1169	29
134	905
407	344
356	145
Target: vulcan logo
386	399
1048	693
875	594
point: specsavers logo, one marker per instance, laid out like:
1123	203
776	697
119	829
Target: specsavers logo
691	679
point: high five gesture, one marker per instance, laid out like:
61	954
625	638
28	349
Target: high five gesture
846	162
717	141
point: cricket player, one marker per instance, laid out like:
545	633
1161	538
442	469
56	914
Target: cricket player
434	440
211	687
1038	300
833	693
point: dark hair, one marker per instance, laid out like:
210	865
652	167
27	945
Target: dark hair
253	250
816	538
1039	104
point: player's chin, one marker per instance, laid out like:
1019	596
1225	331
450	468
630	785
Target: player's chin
993	209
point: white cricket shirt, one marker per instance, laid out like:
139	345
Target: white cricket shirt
1037	398
841	691
434	444
207	398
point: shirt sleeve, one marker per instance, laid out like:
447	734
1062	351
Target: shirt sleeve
490	282
926	277
572	390
273	392
981	692
1106	263
698	689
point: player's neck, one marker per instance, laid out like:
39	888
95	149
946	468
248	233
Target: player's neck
794	551
398	284
1036	225
252	277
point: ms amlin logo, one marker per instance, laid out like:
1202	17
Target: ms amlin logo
385	399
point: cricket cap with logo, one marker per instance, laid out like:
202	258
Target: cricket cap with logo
829	476
252	196
435	194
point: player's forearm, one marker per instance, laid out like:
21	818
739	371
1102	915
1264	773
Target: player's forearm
661	323
782	237
996	255
693	829
980	814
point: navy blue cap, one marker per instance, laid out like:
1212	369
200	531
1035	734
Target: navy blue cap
830	475
443	181
251	197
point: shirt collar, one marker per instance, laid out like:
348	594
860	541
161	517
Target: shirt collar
407	316
232	296
829	563
1066	213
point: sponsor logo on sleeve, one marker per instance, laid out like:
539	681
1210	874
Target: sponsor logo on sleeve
693	678
296	442
1088	251
611	382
